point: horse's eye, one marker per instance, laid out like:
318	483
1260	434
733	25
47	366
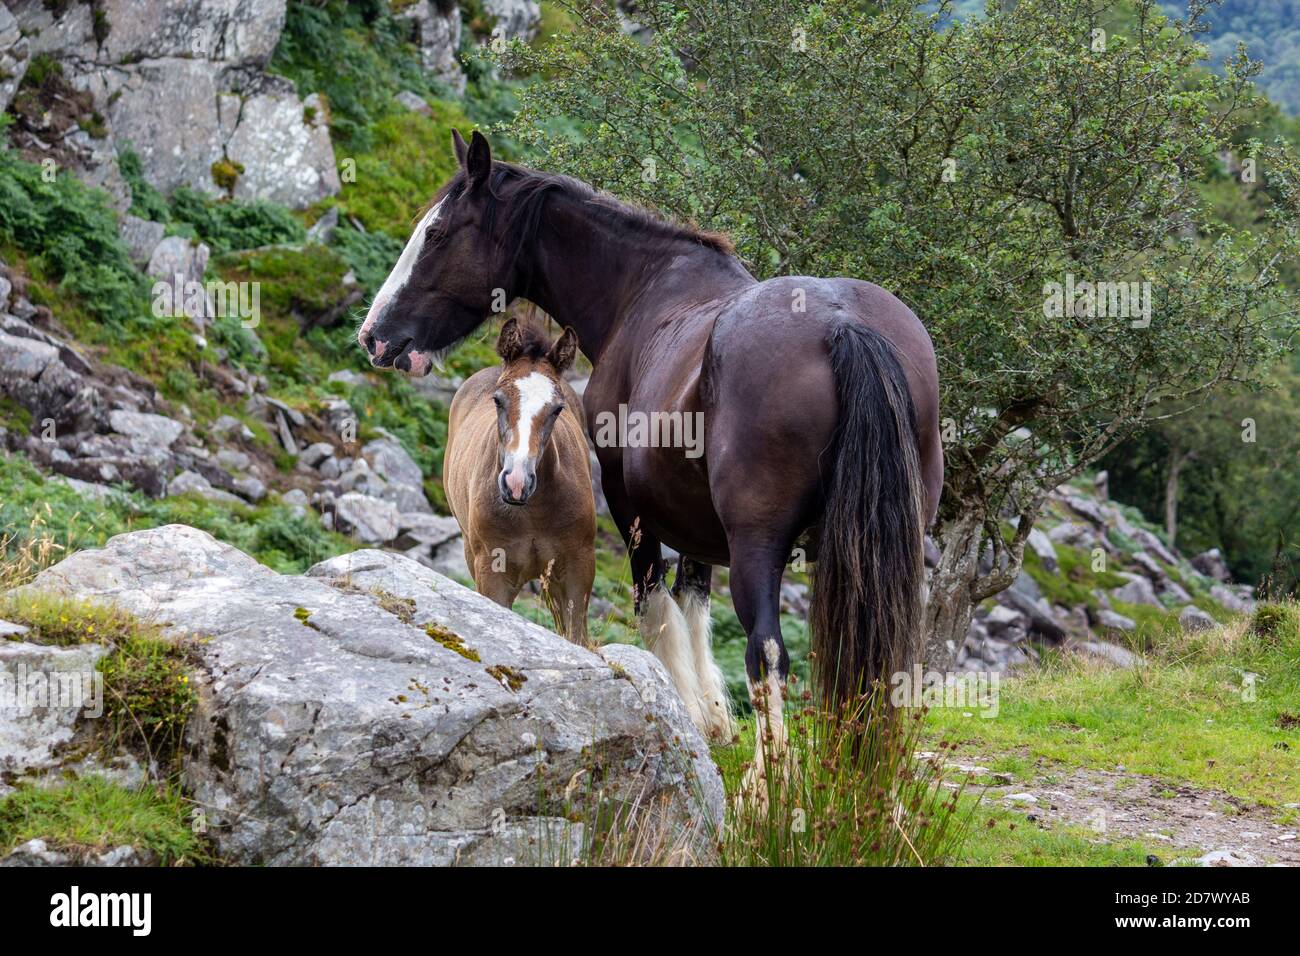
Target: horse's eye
499	400
555	412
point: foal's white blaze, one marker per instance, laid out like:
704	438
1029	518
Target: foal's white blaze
536	391
400	275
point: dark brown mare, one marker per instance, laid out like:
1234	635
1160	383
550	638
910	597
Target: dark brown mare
819	399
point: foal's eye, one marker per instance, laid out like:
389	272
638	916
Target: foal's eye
500	401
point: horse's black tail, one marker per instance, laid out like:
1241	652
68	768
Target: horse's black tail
866	607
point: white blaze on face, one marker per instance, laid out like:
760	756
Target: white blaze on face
536	391
401	273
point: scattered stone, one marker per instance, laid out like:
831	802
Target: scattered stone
1041	545
1138	591
365	518
145	427
1119	656
1192	618
192	483
413	102
1115	621
1211	564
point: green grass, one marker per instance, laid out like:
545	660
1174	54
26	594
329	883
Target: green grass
1184	716
89	815
1002	837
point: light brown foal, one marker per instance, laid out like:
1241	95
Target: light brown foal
518	478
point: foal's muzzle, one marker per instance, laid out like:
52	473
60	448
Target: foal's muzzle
516	489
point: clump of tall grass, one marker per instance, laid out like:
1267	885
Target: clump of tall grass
847	789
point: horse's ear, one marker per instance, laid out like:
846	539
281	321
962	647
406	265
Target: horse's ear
478	161
510	343
458	146
564	351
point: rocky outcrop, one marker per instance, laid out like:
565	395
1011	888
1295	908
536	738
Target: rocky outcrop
1010	630
183	85
435	30
14	56
375	712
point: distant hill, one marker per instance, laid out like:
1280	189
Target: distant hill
1271	31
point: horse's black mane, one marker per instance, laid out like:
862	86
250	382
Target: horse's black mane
521	193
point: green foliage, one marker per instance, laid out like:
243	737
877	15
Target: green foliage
408	162
89	815
70	235
370	255
357	55
146	202
943	162
227	225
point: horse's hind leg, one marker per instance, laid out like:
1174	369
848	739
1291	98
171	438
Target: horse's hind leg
757	562
691	590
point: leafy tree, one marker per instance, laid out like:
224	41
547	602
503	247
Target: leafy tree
972	168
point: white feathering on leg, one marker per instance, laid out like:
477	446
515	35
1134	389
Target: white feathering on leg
666	635
715	702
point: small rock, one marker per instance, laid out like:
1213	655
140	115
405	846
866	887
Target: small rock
232	459
1041	545
1211	564
191	482
413	102
1138	591
367	519
9	629
1192	618
1020	798
145	427
1115	621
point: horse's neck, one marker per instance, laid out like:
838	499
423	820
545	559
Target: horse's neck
596	274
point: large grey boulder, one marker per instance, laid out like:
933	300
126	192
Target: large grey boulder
375	712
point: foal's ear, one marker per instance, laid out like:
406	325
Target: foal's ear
564	351
478	161
510	343
458	146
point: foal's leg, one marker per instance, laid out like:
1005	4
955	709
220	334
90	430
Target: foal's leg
663	627
570	586
496	585
691	590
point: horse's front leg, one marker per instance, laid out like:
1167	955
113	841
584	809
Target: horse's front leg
691	591
663	627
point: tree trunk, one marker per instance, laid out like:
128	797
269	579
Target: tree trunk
948	607
1177	459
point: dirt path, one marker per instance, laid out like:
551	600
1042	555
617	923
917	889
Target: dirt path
1190	823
